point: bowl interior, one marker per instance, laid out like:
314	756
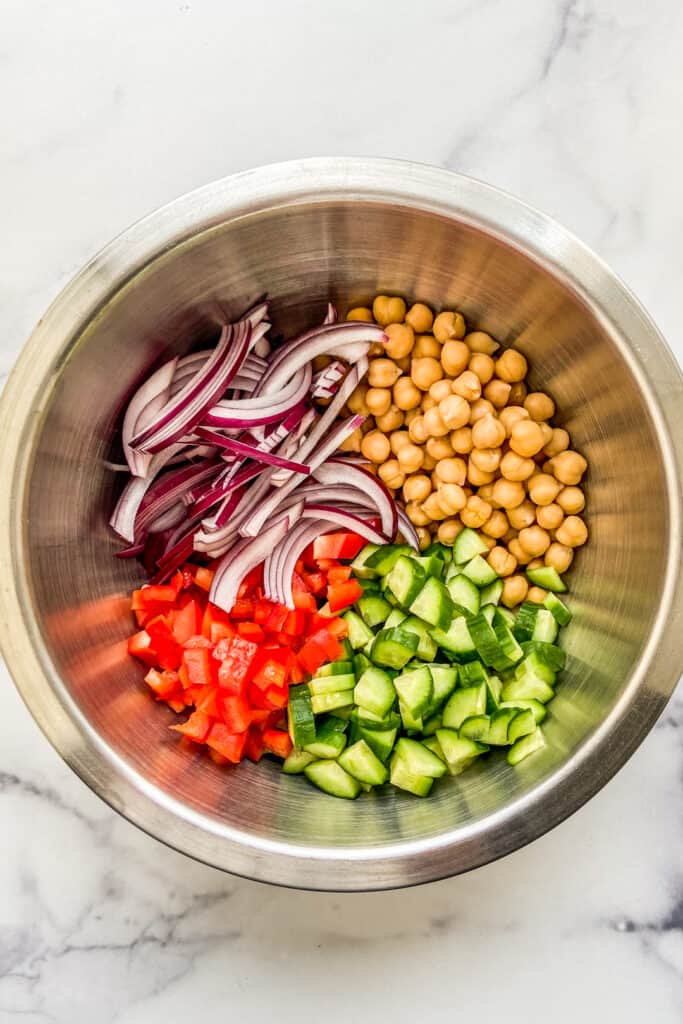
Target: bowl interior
301	255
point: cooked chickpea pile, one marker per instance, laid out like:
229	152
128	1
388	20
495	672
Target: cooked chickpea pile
458	438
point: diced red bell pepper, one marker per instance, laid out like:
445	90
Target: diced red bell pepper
296	673
295	623
198	642
251	631
243	608
272	668
316	582
277	618
196	727
343	595
277	696
236	656
277	742
318	649
214	615
230	745
188	577
164	684
163	641
161	593
254	579
262	610
304	601
203	578
197	662
325	564
236	713
176	703
340	574
254	748
338	545
140	646
186	621
218	758
208	701
219	631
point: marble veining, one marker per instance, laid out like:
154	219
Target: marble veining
111	110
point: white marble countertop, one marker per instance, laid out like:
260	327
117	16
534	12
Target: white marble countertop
108	111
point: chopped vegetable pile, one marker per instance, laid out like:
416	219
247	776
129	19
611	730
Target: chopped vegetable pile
337	531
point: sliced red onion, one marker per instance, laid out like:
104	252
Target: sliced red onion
347	520
244	556
249	451
217	492
133	494
326	381
173	516
349	341
257	313
335	471
331	316
184	411
169	489
250	412
262	348
407	529
145	404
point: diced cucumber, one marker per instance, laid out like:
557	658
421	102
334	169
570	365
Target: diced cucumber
359	633
375	691
402	777
552	656
452	570
475	728
373	609
431	724
458	751
395	617
360	569
507	617
548	578
494	689
331	778
464	704
488	611
487	644
534	665
405	581
343	713
426	646
360	663
521	725
369	720
431	743
525	621
363	764
472	674
433	604
418	759
456	639
537	709
384	558
335	668
444	681
464	594
545	627
439	549
500	722
432	564
380	741
525	746
528	688
415	690
559	609
480	572
411	723
331	701
330	684
347	649
330	738
393	648
369	586
511	649
300	720
295	762
492	593
467	545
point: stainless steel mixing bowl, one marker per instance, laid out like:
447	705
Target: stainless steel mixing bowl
304	232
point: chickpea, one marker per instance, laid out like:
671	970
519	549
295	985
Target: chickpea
515	548
467	385
501	561
406	395
511	366
485	492
518	393
461	440
375	446
478	477
488	432
483	366
388	310
378	401
448	326
536	563
454	411
410	457
451	471
360	313
439	390
420	318
496	525
508	493
399	439
514	467
434	424
559	556
511	415
429	462
559	442
550	516
486	459
352	442
401	339
515	589
573	532
571	500
383	373
522	516
417	487
409	416
449	530
417	430
452	498
526	438
536	595
417	516
509	535
424	537
569	467
425	372
440	448
480	341
392	419
543	489
535	540
497	393
455	356
476	512
391	474
367	425
539	406
426	345
480	408
403	363
433	507
356	401
427	403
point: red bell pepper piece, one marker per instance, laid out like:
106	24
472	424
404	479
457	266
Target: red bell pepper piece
186	621
340	574
251	631
342	595
140	646
227	744
277	742
197	662
164	684
208	701
162	593
338	545
163	641
272	668
203	578
236	713
198	642
243	608
318	649
236	656
212	616
316	582
296	673
262	610
295	623
277	618
325	564
219	631
254	748
195	728
304	601
176	703
276	696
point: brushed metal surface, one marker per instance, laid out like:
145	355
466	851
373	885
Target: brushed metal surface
303	232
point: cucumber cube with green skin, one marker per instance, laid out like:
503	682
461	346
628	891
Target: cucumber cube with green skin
330	738
332	779
415	690
453	570
472	674
431	743
476	728
358	565
330	684
402	777
548	578
373	609
552	656
525	746
506	615
431	724
488	612
559	609
537	709
369	720
380	741
411	723
464	704
360	663
426	646
300	720
335	668
494	689
369	586
491	594
331	701
418	759
487	644
393	648
359	633
480	572
511	649
433	604
456	640
406	580
384	559
529	687
525	621
375	691
522	724
545	627
362	763
395	618
444	552
295	762
500	723
444	681
464	594
458	750
467	545
432	564
534	665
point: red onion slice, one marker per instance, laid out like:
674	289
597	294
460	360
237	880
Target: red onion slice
249	412
347	520
326	382
244	556
335	471
349	341
281	561
142	408
407	529
249	451
331	316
